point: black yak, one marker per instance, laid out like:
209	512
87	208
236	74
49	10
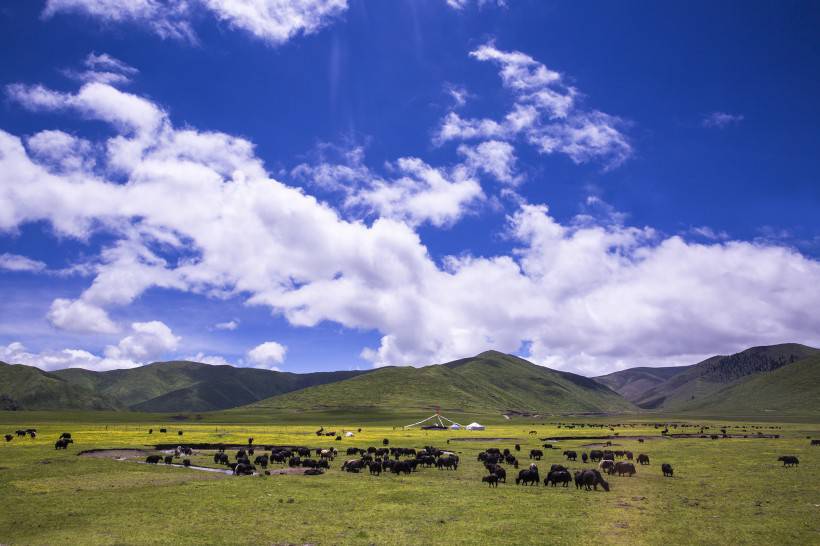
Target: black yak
169	459
153	459
789	460
529	476
570	455
596	455
590	479
244	469
536	454
9	437
643	459
491	480
623	467
667	470
558	476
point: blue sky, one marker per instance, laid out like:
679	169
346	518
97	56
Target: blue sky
321	185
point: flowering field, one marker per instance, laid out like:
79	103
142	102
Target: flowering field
728	491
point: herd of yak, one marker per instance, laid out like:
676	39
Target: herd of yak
400	460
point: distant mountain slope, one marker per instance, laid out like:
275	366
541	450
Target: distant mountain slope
793	389
694	383
634	382
193	386
490	382
25	387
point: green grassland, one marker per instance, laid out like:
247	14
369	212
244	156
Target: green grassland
489	383
726	491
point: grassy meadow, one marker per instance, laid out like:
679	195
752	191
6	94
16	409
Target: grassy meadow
726	491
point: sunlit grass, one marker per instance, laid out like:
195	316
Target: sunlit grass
727	491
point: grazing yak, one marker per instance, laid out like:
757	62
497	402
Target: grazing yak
9	437
62	443
789	460
186	462
450	462
590	479
153	459
163	430
606	466
497	471
491	480
536	454
558	476
596	455
813	442
643	459
528	477
628	455
584	457
623	467
570	455
402	466
667	470
244	469
353	465
261	460
221	458
518	446
66	435
169	459
375	468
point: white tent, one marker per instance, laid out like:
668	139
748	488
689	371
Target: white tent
474	426
455	426
348	434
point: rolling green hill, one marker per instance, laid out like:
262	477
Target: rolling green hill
159	387
634	382
793	389
687	388
491	382
26	387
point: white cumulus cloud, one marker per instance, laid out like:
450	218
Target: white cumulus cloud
80	316
267	355
15	262
274	21
588	295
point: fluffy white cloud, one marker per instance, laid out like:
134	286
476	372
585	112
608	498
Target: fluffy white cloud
462	4
421	194
61	151
15	262
274	21
80	316
16	353
545	111
103	68
720	120
228	325
414	192
147	340
587	295
492	157
213	360
267	355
